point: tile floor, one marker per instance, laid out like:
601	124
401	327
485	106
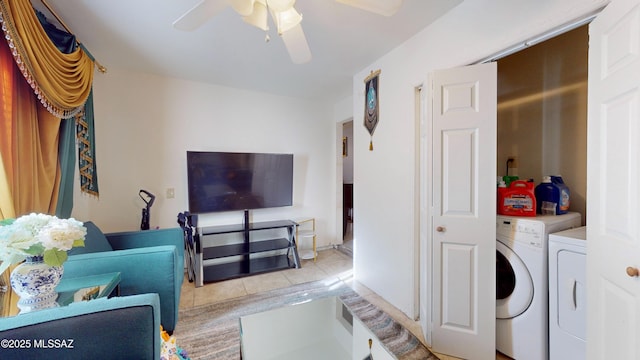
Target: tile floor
330	263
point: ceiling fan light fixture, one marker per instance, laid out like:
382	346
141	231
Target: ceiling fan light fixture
381	7
242	7
258	17
281	5
255	12
286	20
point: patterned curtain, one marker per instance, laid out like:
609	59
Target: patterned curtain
79	127
86	149
61	81
61	74
28	146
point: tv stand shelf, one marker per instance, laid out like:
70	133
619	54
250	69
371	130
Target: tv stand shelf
251	256
217	252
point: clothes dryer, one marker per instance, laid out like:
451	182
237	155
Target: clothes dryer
568	294
522	285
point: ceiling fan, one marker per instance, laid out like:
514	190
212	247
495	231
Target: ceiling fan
284	15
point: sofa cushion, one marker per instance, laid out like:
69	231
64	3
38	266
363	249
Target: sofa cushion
95	241
88	330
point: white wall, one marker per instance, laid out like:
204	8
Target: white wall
385	200
145	124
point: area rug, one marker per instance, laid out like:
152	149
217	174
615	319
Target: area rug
213	331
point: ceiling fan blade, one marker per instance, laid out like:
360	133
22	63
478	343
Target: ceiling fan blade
286	20
296	44
381	7
199	14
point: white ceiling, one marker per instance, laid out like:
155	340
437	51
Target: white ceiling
137	35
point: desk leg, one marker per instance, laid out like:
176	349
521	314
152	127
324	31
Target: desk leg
197	262
199	270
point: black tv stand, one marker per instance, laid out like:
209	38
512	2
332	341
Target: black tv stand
246	219
241	258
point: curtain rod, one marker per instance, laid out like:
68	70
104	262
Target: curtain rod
100	67
585	19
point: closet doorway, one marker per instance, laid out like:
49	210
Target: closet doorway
347	186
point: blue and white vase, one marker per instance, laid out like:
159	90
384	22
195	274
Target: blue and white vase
35	282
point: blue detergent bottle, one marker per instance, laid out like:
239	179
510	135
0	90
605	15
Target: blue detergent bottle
547	197
565	194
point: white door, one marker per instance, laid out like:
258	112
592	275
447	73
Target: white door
464	210
613	215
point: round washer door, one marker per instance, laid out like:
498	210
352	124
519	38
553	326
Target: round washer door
514	286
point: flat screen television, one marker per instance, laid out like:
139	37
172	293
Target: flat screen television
228	181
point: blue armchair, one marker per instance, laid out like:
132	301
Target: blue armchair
149	261
86	330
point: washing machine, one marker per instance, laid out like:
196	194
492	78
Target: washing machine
522	285
568	294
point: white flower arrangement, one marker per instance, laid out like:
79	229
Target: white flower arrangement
39	234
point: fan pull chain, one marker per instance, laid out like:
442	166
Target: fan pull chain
267	38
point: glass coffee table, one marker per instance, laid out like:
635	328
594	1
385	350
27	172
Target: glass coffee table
87	288
69	290
315	330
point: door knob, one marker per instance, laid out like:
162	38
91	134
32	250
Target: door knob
633	272
441	229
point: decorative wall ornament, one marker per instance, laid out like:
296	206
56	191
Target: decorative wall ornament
371	104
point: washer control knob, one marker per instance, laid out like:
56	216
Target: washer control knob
632	271
441	229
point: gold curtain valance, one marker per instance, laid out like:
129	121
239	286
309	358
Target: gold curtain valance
61	81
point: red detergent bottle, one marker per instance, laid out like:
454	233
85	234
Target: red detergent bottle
518	199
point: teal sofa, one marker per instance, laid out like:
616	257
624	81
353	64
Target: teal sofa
86	330
149	261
